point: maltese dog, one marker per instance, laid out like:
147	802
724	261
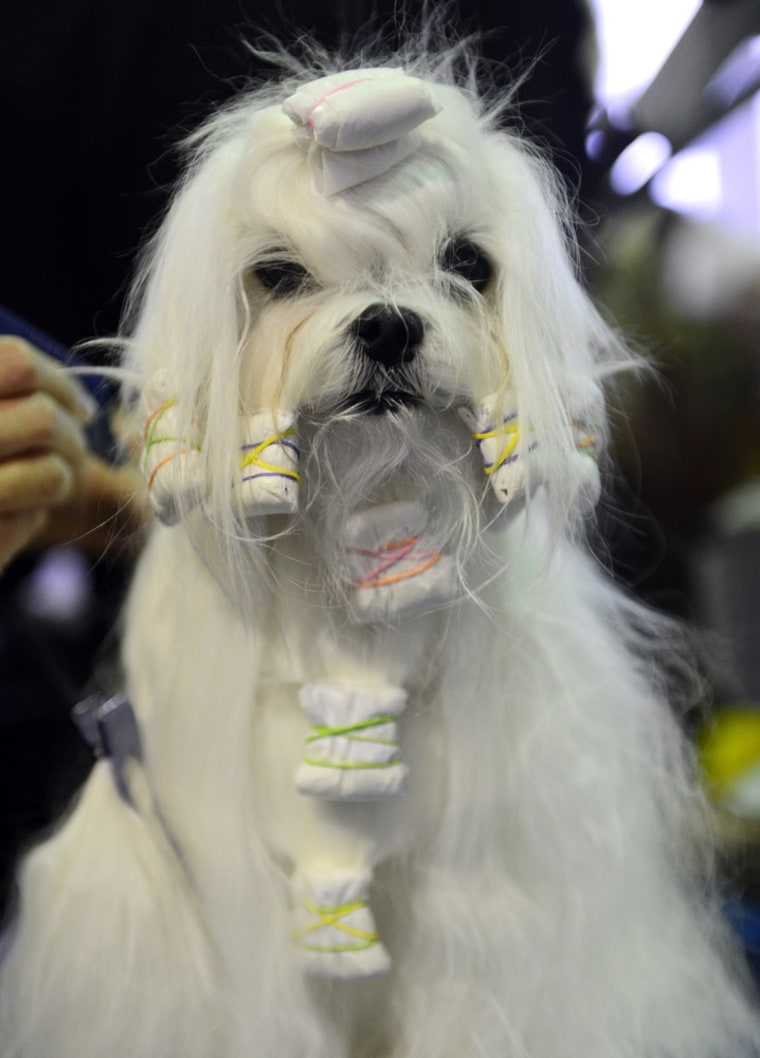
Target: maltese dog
392	774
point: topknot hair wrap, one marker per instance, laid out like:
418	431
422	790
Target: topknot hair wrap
360	123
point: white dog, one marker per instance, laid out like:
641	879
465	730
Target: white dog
393	774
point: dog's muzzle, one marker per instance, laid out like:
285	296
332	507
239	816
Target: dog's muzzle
388	338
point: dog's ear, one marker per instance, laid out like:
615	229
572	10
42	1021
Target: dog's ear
556	346
191	318
188	290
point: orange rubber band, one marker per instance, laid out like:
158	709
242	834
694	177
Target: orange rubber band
394	578
154	414
164	461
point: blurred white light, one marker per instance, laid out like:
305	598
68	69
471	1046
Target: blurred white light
717	177
59	589
639	162
737	75
634	41
691	183
595	142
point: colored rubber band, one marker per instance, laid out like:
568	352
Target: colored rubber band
586	440
332	917
337	949
393	546
155	416
162	463
151	426
395	578
353	765
348	731
252	457
390	555
512	432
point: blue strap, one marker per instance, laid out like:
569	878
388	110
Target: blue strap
111	730
10	323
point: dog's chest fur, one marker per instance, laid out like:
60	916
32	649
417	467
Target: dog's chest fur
310	638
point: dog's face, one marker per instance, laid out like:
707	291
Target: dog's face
373	315
376	299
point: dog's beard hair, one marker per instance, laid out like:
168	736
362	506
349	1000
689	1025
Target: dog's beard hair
351	461
355	461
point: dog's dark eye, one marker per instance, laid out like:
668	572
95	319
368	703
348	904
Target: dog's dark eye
283	278
465	259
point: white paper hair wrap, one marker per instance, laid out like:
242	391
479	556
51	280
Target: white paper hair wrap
269	478
393	566
509	448
353	745
334	925
171	463
358	124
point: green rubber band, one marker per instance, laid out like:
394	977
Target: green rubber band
157	419
346	730
151	439
337	949
352	738
349	765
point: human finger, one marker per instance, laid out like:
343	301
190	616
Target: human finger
108	509
38	423
34	481
25	370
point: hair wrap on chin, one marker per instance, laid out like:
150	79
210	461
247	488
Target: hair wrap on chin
358	124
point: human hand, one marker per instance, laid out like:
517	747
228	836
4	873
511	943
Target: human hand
51	488
106	512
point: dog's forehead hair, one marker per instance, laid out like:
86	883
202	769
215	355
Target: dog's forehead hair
397	221
345	239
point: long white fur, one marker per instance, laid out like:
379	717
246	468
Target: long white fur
544	886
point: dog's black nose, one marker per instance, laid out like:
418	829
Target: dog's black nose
388	335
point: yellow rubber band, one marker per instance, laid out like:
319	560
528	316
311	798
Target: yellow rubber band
252	458
512	432
333	917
